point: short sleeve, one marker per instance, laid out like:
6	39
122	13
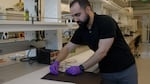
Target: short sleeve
77	37
108	29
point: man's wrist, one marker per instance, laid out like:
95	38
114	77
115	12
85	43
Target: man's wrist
82	68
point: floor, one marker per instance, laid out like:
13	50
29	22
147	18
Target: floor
17	69
143	64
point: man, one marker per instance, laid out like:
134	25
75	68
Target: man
102	34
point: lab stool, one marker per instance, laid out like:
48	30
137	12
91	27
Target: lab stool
137	44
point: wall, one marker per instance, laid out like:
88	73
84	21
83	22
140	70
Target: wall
145	28
52	10
30	6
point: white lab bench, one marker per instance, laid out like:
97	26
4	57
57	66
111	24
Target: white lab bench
35	77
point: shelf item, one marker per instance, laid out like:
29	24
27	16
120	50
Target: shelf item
12	15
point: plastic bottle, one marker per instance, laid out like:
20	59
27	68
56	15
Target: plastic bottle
26	15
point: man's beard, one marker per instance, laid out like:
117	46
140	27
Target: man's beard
85	22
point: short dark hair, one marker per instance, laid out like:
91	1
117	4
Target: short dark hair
82	3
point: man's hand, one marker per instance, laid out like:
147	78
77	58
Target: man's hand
74	70
54	68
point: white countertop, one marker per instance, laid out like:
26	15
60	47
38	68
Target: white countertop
35	77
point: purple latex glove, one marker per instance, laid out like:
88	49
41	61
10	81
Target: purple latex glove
74	70
54	68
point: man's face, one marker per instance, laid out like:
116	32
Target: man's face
79	15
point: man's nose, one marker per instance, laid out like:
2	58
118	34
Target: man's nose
75	19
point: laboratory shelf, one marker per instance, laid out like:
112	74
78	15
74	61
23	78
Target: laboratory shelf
33	26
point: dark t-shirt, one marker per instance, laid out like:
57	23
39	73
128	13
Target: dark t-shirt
119	57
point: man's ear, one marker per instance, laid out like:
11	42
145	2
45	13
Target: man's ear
88	9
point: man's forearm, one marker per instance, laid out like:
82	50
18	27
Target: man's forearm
95	58
62	54
103	47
